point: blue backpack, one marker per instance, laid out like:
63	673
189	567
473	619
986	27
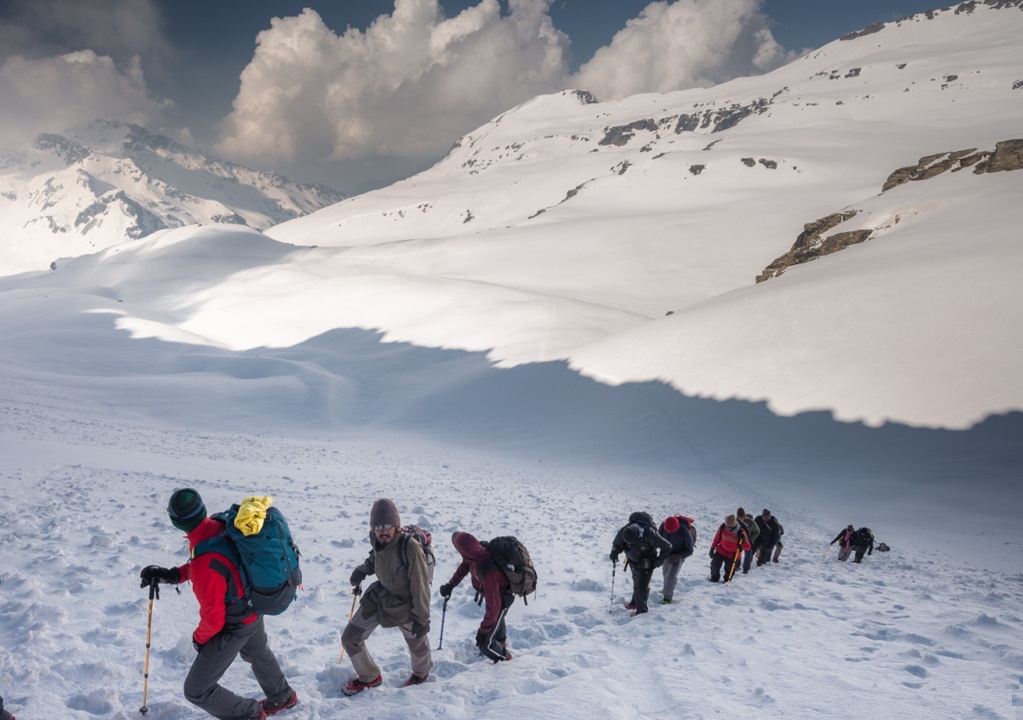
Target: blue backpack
267	561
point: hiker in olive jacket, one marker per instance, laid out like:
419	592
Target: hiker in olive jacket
645	550
400	598
752	532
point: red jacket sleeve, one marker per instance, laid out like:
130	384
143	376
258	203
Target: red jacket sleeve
460	573
210	588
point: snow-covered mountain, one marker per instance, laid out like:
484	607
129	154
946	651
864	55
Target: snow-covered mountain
619	214
108	182
558	325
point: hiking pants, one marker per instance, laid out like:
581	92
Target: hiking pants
669	570
492	645
844	550
861	550
716	564
747	559
360	627
764	554
642	573
202	685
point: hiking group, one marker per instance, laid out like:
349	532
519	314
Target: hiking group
648	546
852	541
243	565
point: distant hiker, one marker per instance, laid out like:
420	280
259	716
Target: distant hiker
491	586
770	532
730	537
399	598
4	715
227	626
847	542
864	543
882	547
677	530
752	532
644	550
778	545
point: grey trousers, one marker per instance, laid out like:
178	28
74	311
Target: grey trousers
202	685
353	639
669	570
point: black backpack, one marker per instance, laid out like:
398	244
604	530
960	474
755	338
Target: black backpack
643	519
512	557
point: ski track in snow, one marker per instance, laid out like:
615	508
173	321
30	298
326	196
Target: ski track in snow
900	635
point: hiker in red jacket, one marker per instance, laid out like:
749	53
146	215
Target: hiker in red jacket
491	584
227	628
723	550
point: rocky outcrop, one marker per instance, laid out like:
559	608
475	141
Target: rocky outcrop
621	134
813	242
1007	155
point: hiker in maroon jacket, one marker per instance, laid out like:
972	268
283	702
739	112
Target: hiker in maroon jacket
724	549
490	584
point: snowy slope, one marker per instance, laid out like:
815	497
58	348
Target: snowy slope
109	182
517	373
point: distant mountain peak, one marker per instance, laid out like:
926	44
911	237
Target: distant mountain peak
105	182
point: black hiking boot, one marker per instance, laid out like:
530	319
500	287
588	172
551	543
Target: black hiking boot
273	708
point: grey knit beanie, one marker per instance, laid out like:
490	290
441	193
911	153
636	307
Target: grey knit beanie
384	512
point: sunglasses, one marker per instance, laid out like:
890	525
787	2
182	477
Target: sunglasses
381	528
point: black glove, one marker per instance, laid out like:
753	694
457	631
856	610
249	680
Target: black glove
196	644
712	551
445	590
357	577
419	629
658	562
614	557
154	574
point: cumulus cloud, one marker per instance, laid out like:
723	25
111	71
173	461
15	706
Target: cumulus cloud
54	93
688	43
408	86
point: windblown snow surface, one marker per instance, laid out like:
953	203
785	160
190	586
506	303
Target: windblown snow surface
501	370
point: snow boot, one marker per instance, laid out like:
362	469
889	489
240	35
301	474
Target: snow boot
356	686
630	606
273	708
415	680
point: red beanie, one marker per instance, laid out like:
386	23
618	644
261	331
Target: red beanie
671	524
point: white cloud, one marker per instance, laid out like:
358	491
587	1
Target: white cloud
408	86
414	81
688	43
54	93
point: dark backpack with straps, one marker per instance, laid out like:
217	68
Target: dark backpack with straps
267	561
643	519
512	557
425	541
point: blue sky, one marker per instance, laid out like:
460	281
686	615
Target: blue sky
408	78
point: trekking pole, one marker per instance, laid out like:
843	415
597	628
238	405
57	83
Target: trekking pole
351	614
443	615
826	551
154	593
614	569
735	561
